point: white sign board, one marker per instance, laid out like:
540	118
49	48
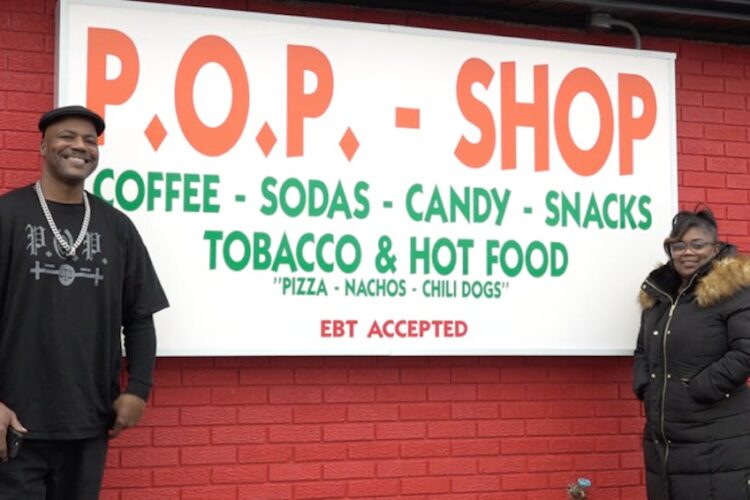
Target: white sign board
322	187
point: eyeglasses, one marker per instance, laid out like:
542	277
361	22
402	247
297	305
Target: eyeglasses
678	247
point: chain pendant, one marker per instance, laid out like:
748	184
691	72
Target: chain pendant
69	250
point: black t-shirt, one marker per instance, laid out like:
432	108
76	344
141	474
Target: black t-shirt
61	317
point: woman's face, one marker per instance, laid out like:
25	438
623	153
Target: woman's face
694	249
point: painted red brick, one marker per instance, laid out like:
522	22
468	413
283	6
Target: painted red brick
722	69
617	478
475	374
524	481
617	408
208	416
501	392
452	466
146	494
264	414
314	414
349	432
374	449
702	146
348	394
477	410
349	470
501	428
596	391
425	411
209	493
523	445
424	376
146	457
455	429
432	448
320	490
689	98
127	478
320	376
295	472
32	42
522	409
179	436
686	66
375	488
452	392
374	376
238	474
570	409
405	430
737	117
549	427
570	445
295	395
618	443
274	491
295	433
181	396
402	468
722	100
238	395
372	412
474	447
266	376
265	453
701	114
209	377
727	166
137	436
320	452
425	485
702	83
726	196
476	484
238	434
196	455
182	476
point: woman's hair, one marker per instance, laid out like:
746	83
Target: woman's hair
687	220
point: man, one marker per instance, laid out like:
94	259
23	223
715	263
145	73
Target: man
74	275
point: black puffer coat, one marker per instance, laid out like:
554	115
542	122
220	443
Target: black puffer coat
691	367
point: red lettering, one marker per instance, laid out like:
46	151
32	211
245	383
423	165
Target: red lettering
478	154
300	105
518	114
631	128
99	90
211	141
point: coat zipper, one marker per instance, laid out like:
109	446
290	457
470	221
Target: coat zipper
662	403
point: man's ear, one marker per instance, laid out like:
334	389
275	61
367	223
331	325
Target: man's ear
43	147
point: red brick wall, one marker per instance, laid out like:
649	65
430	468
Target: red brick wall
460	428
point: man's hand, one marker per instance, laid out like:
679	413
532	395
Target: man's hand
7	419
129	409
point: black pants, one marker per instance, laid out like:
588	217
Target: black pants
55	470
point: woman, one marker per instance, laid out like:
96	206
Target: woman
691	366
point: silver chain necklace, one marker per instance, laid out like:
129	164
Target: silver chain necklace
69	250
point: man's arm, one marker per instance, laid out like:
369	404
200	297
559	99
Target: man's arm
7	419
140	348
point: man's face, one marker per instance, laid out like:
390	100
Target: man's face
70	150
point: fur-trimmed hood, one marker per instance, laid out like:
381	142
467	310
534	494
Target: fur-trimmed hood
725	278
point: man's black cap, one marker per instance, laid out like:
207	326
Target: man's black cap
58	114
